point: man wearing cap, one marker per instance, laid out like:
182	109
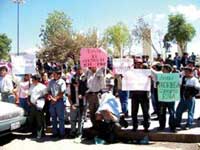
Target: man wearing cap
166	105
140	97
189	88
37	93
56	90
6	86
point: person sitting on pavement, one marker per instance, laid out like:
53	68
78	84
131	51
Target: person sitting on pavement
108	116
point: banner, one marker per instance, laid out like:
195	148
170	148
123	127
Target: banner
122	65
93	57
136	80
23	64
168	87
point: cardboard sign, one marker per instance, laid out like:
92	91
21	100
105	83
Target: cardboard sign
136	80
93	57
23	64
121	66
168	87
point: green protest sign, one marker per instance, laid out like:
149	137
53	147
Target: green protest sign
168	87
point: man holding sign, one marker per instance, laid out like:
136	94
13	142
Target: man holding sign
93	58
168	93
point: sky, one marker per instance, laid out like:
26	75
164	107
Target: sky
101	14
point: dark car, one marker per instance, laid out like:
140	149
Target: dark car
11	118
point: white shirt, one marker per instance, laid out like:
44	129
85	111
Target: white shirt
110	103
193	82
95	81
6	84
37	91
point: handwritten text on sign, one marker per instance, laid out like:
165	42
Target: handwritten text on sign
168	87
122	65
136	80
93	57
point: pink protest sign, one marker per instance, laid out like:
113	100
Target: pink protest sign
93	57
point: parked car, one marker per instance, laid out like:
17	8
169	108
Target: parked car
11	118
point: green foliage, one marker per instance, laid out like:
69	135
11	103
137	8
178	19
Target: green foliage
5	47
180	31
118	36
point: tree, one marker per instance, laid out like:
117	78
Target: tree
180	31
5	47
118	36
142	32
56	37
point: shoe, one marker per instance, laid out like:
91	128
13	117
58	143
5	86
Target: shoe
198	119
187	127
146	130
155	119
154	113
61	136
161	128
173	130
134	129
54	136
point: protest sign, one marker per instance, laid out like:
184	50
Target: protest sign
168	87
93	57
23	64
122	65
136	80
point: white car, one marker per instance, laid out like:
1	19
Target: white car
11	118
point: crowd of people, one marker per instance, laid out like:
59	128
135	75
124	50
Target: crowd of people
43	96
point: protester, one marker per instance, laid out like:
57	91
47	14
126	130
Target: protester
45	81
140	97
156	69
37	94
123	95
6	86
177	61
108	114
23	90
95	83
189	88
77	100
166	105
56	91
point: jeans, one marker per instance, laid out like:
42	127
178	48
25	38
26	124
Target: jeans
162	114
77	116
183	106
57	112
123	96
23	103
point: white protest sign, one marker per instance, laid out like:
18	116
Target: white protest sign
122	65
23	64
136	80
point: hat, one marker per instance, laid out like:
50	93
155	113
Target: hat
138	60
168	67
174	66
187	68
36	77
155	63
